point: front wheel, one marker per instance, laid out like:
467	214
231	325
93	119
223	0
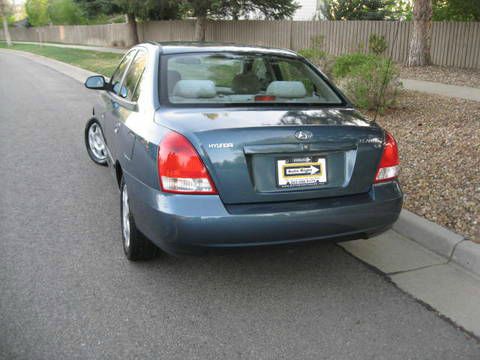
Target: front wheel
135	245
95	143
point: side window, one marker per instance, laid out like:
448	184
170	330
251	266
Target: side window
118	74
132	80
138	88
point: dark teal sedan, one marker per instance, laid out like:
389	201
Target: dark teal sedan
225	146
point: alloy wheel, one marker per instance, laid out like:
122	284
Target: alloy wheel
96	143
125	217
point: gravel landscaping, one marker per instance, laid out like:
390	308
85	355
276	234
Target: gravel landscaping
443	74
439	143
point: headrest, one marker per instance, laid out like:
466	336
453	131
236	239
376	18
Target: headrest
246	84
194	89
173	76
287	89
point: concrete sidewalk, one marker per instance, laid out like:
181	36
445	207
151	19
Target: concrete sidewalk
462	92
81	47
439	282
431	263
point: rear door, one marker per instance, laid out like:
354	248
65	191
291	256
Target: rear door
113	99
127	114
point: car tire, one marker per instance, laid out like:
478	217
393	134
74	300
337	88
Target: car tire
136	246
95	143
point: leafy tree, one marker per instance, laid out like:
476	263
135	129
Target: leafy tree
4	12
456	10
400	10
234	9
37	12
92	8
357	9
57	12
419	51
65	12
269	9
133	9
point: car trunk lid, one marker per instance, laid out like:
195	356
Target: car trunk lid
259	156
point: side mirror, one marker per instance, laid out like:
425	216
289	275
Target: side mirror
96	82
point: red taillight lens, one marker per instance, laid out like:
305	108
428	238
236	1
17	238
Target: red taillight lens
388	168
180	168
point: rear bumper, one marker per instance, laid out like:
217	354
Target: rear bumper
192	223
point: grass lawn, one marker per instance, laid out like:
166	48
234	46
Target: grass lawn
96	61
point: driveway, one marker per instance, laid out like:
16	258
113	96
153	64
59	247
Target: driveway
67	292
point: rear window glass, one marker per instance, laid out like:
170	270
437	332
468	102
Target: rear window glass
222	78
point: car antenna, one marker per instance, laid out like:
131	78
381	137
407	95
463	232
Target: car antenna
381	93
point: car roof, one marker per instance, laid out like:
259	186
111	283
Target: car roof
182	47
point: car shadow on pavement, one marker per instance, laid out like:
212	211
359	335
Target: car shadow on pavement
251	269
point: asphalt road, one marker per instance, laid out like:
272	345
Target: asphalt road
67	292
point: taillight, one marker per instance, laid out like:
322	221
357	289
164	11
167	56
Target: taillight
180	168
388	168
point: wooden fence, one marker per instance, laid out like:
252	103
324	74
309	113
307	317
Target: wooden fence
453	43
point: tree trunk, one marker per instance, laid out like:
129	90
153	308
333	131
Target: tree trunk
132	23
3	15
419	52
200	27
8	39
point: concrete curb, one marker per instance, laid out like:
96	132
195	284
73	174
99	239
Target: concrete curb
440	240
75	46
467	254
428	234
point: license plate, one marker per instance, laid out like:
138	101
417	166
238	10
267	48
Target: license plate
296	172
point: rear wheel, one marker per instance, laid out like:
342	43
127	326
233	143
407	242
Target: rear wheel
135	245
95	143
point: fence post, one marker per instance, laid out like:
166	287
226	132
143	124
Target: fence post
291	35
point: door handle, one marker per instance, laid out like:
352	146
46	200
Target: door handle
116	128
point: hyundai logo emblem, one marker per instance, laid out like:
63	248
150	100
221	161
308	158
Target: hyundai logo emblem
303	134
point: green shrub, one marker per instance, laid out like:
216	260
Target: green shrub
318	56
344	64
377	44
320	59
372	84
369	80
312	54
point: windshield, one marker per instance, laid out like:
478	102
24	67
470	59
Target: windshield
219	78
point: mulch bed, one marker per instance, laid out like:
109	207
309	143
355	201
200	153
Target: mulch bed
439	143
443	74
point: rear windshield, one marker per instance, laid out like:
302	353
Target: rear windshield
220	78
